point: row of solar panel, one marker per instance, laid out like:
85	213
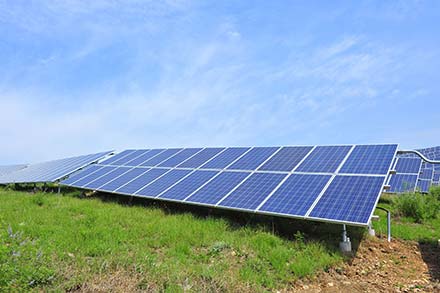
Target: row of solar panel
347	198
429	174
407	174
50	171
362	159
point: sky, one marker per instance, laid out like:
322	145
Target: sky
78	77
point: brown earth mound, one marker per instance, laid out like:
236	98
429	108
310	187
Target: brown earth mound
380	266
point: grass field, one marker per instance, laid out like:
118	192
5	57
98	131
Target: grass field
65	242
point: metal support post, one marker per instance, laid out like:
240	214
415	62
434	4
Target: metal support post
345	245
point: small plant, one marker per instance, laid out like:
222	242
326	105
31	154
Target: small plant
218	247
417	206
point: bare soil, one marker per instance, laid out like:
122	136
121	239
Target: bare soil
380	266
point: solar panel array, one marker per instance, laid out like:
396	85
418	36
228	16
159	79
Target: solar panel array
339	184
407	175
8	169
429	174
50	171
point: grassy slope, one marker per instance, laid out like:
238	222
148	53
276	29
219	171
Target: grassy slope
53	242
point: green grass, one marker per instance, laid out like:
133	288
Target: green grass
50	242
418	224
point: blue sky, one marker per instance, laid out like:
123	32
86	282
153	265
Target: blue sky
85	76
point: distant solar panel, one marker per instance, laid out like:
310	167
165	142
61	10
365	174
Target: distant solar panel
407	173
427	174
51	171
340	184
408	165
423	185
403	182
8	169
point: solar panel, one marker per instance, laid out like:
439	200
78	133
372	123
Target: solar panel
144	157
188	185
117	182
369	159
107	177
8	169
83	173
407	174
349	199
117	157
217	188
423	185
84	181
224	159
286	159
131	156
339	184
201	158
160	157
51	171
180	157
131	187
252	191
162	183
254	158
324	159
296	195
408	165
403	182
427	174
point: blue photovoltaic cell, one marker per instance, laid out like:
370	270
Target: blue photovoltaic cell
135	155
349	199
408	165
80	174
325	159
424	185
123	179
87	179
161	184
252	191
128	157
180	157
403	182
188	185
107	177
117	157
426	174
254	158
144	157
286	159
200	158
136	184
225	158
296	195
436	177
370	159
160	157
218	187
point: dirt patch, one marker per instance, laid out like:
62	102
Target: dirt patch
379	266
118	281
